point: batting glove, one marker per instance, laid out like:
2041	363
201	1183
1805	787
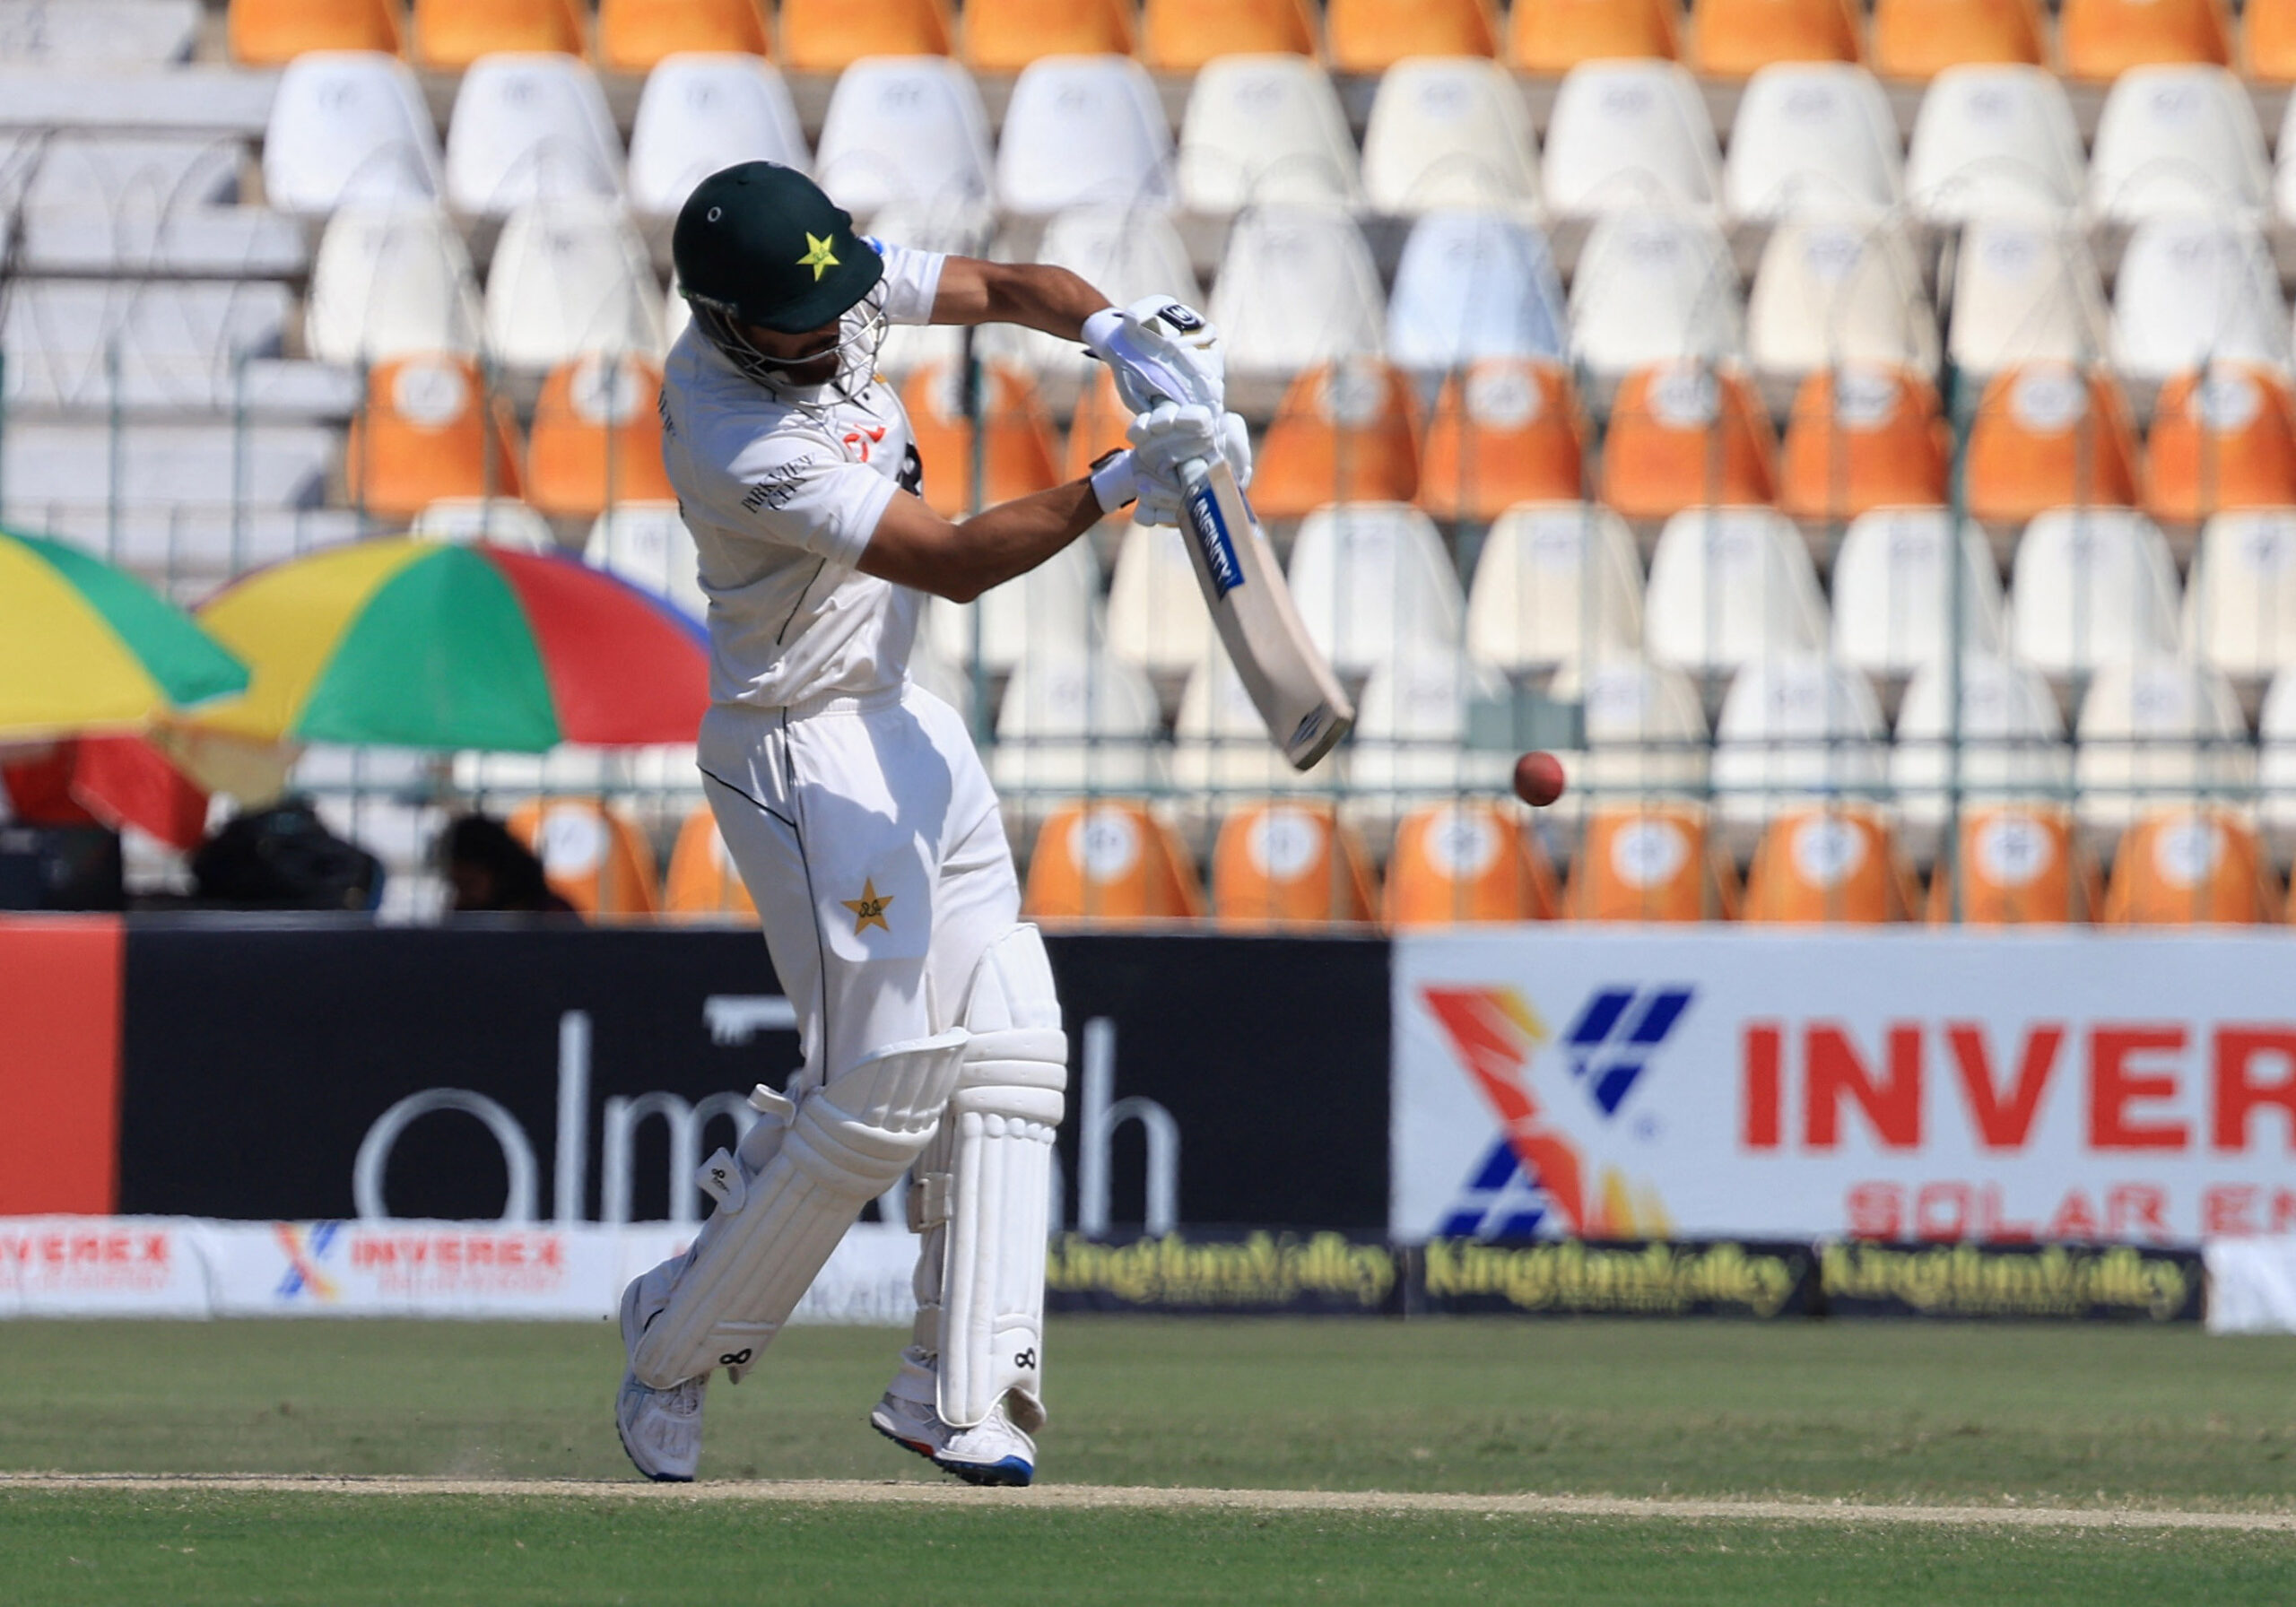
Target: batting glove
1159	349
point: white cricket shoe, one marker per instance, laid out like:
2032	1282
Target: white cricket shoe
660	1428
994	1451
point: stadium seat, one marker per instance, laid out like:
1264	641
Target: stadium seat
1646	734
2222	439
1653	287
1505	431
1283	864
1467	862
389	283
1795	727
2159	730
451	35
1182	36
1994	140
1374	584
2091	586
1555	581
570	278
647	544
637	36
2044	436
1730	586
2018	865
700	112
1811	136
1924	38
961	225
2178	139
1863	437
594	859
1072	724
1448	132
704	884
1053	610
903	130
2241	598
2010	746
1839	865
1554	35
1156	614
1412	726
2193	289
1628	134
1265	129
100	345
1892	614
427	431
1124	253
1833	291
597	438
494	522
1347	432
1221	747
1083	130
529	127
348	126
1683	434
2202	865
2025	291
1473	285
1372	35
2104	39
2269	29
1296	287
1649	862
1109	860
112	469
272	33
1733	39
1019	457
1011	36
2277	758
830	36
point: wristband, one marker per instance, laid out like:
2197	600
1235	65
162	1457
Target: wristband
1100	326
1115	481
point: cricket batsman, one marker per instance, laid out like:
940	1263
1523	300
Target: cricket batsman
858	814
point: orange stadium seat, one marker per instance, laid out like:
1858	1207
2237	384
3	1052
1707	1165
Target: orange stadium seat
1346	431
1003	36
270	33
429	431
1507	431
2269	27
1020	454
1179	36
1097	426
597	438
1734	37
1554	35
2200	865
1921	38
451	34
2020	864
593	858
1468	861
2044	437
1861	439
2223	441
635	35
1836	864
1371	36
1684	435
1650	861
703	883
2103	38
1289	865
829	35
1110	860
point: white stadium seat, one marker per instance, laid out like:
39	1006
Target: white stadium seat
1411	735
2283	173
2240	598
1653	287
1156	614
647	544
176	344
1297	287
1078	723
961	226
1123	253
1475	285
1449	132
2024	290
529	125
1811	136
1794	727
701	111
1555	581
1374	584
2178	139
1729	585
1265	129
108	35
1628	134
1834	291
389	282
1893	613
349	127
1054	608
2155	731
1994	140
2276	758
2091	586
493	521
2011	742
907	130
570	277
1220	746
1083	130
1645	731
2194	289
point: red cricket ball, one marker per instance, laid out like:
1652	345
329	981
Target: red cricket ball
1538	779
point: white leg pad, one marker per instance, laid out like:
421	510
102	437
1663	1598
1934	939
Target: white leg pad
769	1238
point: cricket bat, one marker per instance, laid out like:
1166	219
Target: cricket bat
1289	681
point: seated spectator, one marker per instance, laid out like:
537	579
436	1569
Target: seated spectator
490	869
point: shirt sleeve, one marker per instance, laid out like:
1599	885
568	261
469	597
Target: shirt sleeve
798	490
912	279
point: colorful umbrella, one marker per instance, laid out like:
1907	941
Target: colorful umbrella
421	644
84	646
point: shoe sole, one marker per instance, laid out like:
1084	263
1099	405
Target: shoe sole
1011	1473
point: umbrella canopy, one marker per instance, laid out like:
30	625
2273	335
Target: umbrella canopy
420	644
86	647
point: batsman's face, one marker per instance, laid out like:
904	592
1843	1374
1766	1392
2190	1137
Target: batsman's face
812	357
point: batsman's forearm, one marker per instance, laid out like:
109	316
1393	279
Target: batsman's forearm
915	547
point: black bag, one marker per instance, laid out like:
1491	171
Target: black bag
284	857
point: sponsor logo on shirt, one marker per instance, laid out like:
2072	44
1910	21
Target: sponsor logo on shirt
775	490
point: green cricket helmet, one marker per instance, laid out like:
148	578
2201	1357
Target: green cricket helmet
759	244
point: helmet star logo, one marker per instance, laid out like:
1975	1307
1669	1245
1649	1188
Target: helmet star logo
818	257
868	909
